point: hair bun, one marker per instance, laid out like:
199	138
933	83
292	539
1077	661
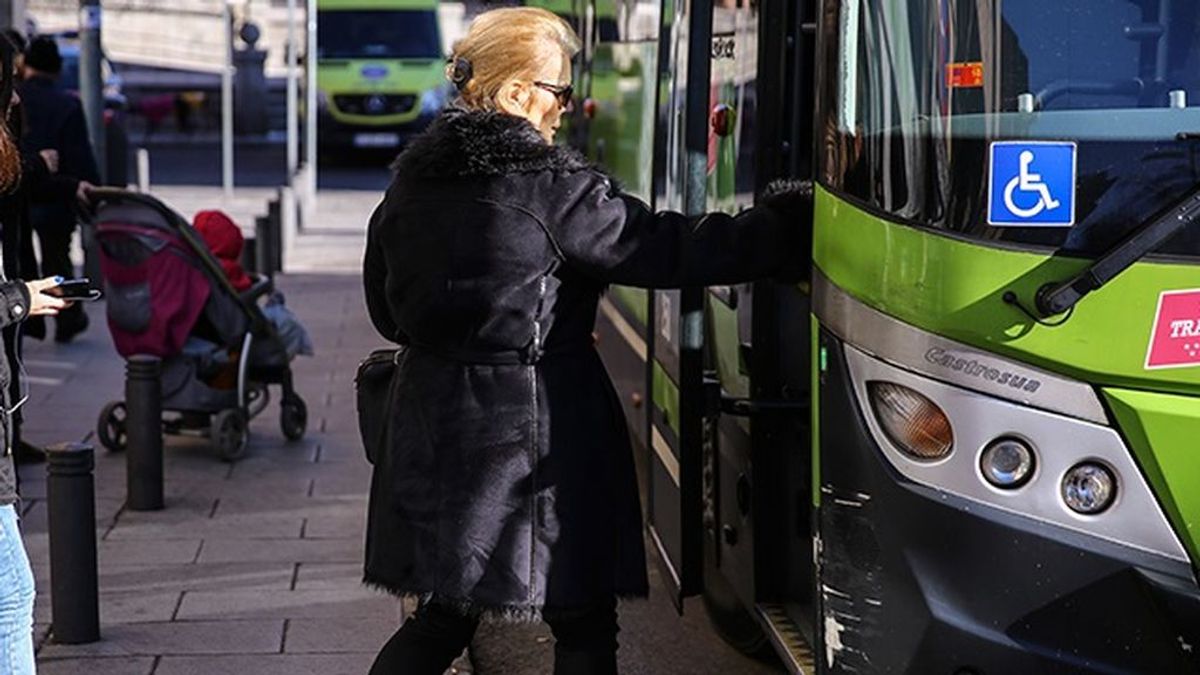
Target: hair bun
459	72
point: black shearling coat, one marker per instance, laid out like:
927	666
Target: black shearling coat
506	483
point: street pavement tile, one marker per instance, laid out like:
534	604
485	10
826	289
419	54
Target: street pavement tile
282	550
349	524
239	526
330	636
138	606
315	604
279	664
183	508
115	665
178	637
35	519
166	552
299	453
330	576
194	577
248	474
261	490
344	483
300	505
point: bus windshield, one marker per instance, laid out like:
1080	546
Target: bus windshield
378	34
914	95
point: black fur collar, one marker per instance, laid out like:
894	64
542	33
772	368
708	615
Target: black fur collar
477	143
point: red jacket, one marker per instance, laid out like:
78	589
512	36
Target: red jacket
224	239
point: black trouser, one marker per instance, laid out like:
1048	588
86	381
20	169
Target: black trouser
54	226
585	642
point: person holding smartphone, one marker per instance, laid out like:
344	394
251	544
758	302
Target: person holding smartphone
18	300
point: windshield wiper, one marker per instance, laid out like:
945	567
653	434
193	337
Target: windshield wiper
1058	297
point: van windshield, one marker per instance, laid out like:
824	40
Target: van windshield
922	101
378	34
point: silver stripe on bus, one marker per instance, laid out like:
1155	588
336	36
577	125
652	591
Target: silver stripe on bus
627	332
1134	519
668	459
892	340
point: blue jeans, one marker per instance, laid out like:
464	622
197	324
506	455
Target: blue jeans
16	599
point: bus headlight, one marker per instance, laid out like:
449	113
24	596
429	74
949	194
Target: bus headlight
1089	488
1007	463
915	424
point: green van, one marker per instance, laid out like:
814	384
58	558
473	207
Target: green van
380	71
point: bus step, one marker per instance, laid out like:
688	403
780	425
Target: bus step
789	641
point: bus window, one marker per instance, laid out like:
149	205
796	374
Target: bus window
1118	78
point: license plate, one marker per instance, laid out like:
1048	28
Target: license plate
376	140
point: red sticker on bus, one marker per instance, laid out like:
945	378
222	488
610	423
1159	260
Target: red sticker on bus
964	75
1175	341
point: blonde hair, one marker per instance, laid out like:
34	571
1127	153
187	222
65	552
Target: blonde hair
503	45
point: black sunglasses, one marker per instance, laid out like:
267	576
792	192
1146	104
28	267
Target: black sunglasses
562	92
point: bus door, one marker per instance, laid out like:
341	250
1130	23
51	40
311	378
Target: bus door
677	337
757	462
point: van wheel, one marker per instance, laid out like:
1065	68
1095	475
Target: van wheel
230	434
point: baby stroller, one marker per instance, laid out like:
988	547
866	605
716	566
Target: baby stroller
167	296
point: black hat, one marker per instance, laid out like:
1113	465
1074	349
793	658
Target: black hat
42	55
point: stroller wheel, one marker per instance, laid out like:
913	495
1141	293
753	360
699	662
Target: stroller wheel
230	434
293	417
111	427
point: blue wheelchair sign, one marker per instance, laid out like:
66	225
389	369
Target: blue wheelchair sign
1031	184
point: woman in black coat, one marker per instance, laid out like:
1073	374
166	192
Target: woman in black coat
505	486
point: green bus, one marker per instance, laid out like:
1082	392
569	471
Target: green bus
964	444
380	71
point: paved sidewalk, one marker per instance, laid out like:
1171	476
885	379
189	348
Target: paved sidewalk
252	567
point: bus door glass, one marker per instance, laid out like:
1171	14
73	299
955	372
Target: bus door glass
673	476
731	180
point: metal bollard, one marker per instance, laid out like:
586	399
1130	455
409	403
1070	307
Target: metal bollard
143	425
250	254
275	217
264	257
74	586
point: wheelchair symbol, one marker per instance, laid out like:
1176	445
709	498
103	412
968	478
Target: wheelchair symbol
1031	184
1027	181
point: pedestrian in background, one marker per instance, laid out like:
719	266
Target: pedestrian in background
40	184
55	122
18	300
505	486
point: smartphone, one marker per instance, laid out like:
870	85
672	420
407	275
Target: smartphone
75	290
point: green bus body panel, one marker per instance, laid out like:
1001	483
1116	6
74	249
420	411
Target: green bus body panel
1162	429
633	303
818	371
664	392
725	348
953	288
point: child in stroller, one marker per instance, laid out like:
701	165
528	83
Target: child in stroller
169	297
225	241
